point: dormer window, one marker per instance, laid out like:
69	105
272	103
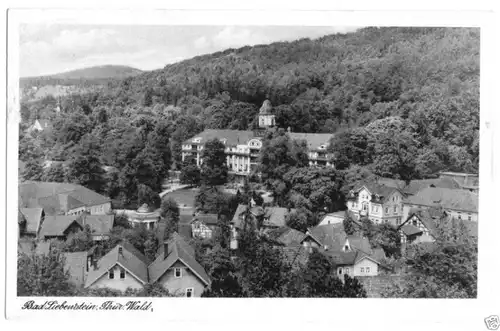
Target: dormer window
197	140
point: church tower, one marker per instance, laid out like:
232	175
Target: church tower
266	118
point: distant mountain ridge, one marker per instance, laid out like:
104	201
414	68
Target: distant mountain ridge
94	74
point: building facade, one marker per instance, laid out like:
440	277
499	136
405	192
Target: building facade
243	147
380	203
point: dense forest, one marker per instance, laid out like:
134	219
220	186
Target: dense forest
402	102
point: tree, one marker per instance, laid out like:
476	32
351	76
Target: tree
80	241
299	220
145	195
348	224
84	166
43	275
387	237
54	173
170	213
223	274
445	269
33	170
318	279
214	167
190	174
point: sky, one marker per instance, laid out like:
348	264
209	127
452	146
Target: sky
50	49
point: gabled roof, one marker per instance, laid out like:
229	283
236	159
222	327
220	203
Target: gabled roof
133	262
57	225
178	250
418	184
33	217
461	200
99	224
286	236
330	235
360	243
208	219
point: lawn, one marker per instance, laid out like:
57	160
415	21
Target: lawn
183	197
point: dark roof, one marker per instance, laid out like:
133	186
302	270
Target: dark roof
266	108
208	219
360	243
76	264
57	197
33	217
99	224
131	261
57	225
286	236
295	254
178	250
463	179
461	200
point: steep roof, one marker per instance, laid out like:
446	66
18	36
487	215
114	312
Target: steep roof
178	250
57	225
33	217
461	200
415	185
99	224
360	243
57	197
383	191
131	260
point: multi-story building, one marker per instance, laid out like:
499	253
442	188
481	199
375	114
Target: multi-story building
380	203
243	147
458	203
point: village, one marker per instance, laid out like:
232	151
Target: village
81	224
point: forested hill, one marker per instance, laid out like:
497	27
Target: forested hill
408	94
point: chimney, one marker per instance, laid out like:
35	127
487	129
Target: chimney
120	250
165	249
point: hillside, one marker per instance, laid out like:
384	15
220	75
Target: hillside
421	82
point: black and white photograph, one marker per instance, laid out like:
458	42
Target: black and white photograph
202	161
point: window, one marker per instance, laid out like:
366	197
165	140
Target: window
346	271
178	272
415	223
340	271
346	247
387	210
189	292
111	274
362	270
122	274
367	269
469	217
395	209
459	216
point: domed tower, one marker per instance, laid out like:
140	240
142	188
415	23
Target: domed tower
266	118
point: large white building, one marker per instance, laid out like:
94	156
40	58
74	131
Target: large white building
243	147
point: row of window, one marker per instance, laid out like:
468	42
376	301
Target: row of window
111	274
365	269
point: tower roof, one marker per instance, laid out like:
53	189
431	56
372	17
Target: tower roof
266	108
